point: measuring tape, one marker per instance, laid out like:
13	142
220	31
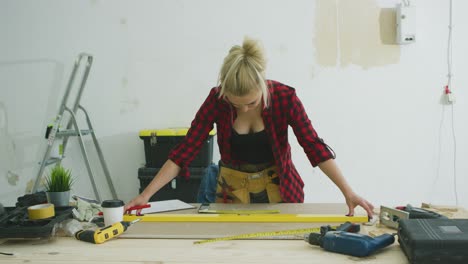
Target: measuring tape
272	234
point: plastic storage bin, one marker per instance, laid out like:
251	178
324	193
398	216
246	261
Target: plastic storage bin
159	142
180	188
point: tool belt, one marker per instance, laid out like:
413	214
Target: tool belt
235	186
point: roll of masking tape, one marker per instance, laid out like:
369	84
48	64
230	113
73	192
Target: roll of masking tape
41	211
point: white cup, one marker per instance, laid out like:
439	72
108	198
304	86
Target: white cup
113	211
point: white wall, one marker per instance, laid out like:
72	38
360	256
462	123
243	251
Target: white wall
374	102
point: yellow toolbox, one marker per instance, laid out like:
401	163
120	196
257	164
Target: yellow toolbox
159	142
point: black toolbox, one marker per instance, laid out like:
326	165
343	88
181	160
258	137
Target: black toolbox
180	188
432	241
15	223
159	142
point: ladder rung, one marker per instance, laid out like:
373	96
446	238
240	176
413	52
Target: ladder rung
72	132
52	161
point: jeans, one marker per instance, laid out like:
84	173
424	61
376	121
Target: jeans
207	189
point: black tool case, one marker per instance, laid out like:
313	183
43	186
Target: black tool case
434	241
180	188
159	142
15	223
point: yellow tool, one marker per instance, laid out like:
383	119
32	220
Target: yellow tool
239	212
205	209
249	218
100	236
269	234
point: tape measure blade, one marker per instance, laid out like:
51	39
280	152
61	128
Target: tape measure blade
263	235
285	237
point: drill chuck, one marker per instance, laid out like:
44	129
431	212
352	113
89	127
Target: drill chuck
313	239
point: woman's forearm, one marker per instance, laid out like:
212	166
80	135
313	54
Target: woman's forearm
167	172
330	169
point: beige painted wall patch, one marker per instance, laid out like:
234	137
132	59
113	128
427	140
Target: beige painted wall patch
354	32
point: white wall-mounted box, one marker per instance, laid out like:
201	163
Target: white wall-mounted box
406	24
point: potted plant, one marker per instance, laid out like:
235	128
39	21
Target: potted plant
58	185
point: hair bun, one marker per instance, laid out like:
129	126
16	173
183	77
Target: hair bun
252	50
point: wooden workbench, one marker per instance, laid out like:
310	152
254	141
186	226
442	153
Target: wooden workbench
139	250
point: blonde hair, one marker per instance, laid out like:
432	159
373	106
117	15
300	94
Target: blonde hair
243	70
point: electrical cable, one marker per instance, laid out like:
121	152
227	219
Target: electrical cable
449	84
454	160
448	92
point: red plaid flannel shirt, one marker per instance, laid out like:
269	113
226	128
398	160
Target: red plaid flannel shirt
285	110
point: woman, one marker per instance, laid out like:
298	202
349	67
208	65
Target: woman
252	116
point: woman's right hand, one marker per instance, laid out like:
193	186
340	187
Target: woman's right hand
139	200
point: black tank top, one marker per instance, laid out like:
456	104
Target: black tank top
253	148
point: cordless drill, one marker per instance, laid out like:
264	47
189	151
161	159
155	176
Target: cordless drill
345	240
100	236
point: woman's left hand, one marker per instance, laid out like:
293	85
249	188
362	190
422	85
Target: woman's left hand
354	200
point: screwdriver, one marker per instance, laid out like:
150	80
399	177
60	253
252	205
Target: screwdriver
100	236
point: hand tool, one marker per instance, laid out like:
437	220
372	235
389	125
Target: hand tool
282	234
130	209
357	245
137	207
347	227
205	209
291	234
391	216
420	213
344	241
249	218
100	236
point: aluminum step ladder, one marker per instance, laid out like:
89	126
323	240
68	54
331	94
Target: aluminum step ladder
73	130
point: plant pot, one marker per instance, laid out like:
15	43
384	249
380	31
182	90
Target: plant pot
59	198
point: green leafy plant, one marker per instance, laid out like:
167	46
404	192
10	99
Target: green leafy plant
59	180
